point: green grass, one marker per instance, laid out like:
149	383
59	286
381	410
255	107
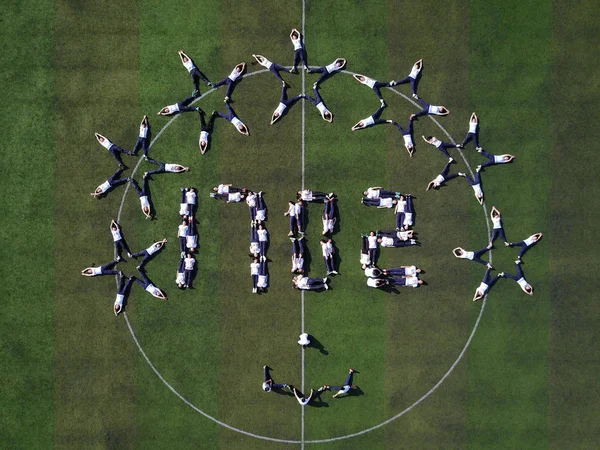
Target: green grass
74	377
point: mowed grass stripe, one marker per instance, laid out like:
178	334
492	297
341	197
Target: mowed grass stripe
348	320
426	328
509	87
257	329
180	336
26	322
575	313
96	74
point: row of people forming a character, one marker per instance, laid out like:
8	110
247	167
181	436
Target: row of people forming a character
402	204
187	234
343	389
259	236
120	246
475	256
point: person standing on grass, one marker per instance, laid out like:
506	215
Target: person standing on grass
498	230
143	193
429	110
205	130
274	68
148	252
413	78
441	146
234	120
268	382
165	168
472	134
519	278
119	242
373	84
112	182
231	80
485	285
459	252
494	159
525	244
345	388
113	149
147	285
299	51
284	104
104	269
195	73
143	141
442	177
179	107
328	70
407	136
122	289
318	102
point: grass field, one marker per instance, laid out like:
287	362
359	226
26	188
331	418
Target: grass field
73	377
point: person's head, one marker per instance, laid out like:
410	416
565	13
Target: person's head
266	386
379	240
371	233
360	124
429	138
192	190
165	110
98	190
528	289
420	282
322	242
339	63
290	202
243	129
113	226
506	158
275	116
255	260
394	202
260	227
300	202
100	138
328	116
184	58
361	78
295	35
180	286
458	252
365	193
409	147
117	309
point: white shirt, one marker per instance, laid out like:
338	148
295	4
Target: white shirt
144	202
254	268
483	288
412	281
303	339
234	197
416	69
297	43
479	193
297	263
262	235
191	241
372	282
182	230
302	282
204	136
368	121
408	140
173	108
189	263
154	248
189	65
372	241
372	272
372	193
327	225
365	259
387	242
410	271
106	144
234	75
467	255
400	206
153	290
143	131
237	122
291	210
171	168
499	159
332	67
298	209
223	189
437	143
190	197
530	240
439	179
254	248
343	390
369	82
306	195
522	282
116	234
403	235
280	109
386	202
325	250
434	109
251	200
262	281
96	271
408	219
260	214
119	301
497	221
472	127
183	209
266	387
180	278
266	63
322	109
104	187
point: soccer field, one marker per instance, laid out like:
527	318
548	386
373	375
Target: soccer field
434	369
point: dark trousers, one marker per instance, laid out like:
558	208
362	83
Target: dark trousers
230	85
300	56
183	105
143	191
478	253
519	274
498	232
124	284
471	137
443	148
328	263
490	157
230	115
206	126
377	86
398	272
473	181
116	151
197	75
161	167
370	201
347	382
145	281
121	245
143	143
267	376
275	69
445	171
414	83
105	269
523	249
424	111
405	131
145	259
